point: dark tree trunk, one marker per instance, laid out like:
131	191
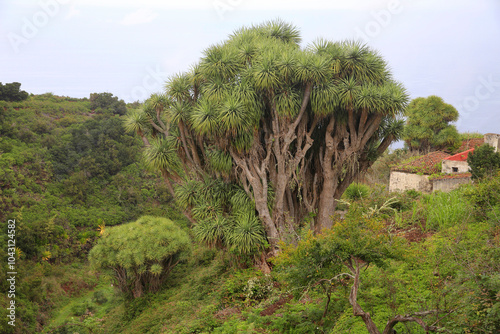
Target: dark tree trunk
327	204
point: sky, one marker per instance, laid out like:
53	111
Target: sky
448	48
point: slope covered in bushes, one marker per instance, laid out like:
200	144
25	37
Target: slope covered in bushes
68	174
65	172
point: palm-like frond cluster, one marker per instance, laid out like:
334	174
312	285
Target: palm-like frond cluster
136	122
141	254
258	110
225	214
162	155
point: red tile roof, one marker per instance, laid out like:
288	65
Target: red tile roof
471	143
462	156
426	164
453	176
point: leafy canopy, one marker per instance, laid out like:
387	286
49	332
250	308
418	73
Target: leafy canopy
106	101
12	92
484	162
141	253
262	113
428	125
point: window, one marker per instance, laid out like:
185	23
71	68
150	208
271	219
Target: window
454	169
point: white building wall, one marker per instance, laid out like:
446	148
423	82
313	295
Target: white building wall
447	166
492	139
401	181
447	185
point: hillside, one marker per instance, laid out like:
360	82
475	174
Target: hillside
70	172
65	170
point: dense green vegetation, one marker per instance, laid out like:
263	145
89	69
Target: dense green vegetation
291	126
484	162
432	257
428	125
65	172
106	101
12	92
249	198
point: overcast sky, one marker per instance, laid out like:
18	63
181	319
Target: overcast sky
449	48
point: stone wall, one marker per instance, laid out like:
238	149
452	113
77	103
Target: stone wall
447	185
492	139
401	181
447	166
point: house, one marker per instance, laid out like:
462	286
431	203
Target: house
438	170
414	173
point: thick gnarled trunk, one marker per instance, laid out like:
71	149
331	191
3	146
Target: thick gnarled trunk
344	157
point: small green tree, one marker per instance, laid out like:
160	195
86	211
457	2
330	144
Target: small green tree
108	101
141	254
484	162
485	199
339	256
427	125
12	92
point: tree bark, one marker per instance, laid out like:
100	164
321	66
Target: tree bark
327	204
353	298
257	178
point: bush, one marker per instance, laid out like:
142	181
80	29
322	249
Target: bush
99	298
485	198
141	254
357	191
12	92
484	162
82	308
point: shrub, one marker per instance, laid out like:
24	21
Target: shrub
484	162
357	191
141	254
99	298
82	308
485	198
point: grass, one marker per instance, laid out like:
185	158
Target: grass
445	210
83	305
187	303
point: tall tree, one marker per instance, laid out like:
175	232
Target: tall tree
300	123
428	125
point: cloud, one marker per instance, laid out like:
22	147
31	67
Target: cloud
246	4
73	12
138	17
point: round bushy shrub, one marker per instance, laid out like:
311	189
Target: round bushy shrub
141	254
357	191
